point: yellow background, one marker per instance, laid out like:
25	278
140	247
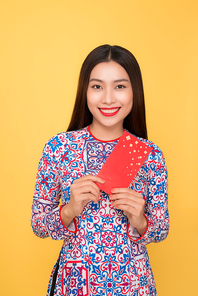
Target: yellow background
42	46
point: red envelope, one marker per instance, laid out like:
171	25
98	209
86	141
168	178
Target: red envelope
123	163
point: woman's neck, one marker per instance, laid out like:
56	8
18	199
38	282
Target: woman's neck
106	133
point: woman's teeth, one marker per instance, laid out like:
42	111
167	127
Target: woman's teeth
109	110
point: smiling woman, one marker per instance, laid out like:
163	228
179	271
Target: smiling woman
135	122
104	235
109	99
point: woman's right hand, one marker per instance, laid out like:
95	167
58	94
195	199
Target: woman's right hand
82	191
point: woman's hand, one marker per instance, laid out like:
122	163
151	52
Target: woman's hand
82	190
132	204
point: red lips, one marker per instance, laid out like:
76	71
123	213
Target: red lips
109	111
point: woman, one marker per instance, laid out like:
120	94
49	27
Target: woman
105	236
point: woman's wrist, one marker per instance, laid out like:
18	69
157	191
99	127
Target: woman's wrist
142	226
66	216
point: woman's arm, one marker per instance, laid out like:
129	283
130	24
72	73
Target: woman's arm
45	218
156	210
48	218
150	222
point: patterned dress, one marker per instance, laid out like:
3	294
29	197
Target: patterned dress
102	254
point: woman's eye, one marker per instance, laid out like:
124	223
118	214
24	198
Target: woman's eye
96	86
120	86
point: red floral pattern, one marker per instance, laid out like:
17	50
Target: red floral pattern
102	254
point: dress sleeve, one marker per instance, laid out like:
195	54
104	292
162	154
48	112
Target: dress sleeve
156	209
45	218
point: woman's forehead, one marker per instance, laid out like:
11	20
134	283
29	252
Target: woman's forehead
109	71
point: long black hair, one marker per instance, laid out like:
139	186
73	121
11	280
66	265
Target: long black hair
135	122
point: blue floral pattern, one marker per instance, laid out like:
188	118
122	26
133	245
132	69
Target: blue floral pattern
102	254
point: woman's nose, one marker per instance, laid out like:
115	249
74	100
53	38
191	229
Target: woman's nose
108	97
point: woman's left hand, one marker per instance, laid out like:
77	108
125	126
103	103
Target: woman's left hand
132	204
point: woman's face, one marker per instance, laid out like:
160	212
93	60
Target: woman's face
109	95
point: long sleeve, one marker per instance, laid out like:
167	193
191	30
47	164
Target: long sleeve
156	209
45	219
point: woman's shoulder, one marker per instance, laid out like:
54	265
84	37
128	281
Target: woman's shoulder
59	141
69	135
145	141
149	143
156	154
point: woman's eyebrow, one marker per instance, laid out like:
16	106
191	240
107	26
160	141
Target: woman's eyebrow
118	80
95	79
123	79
